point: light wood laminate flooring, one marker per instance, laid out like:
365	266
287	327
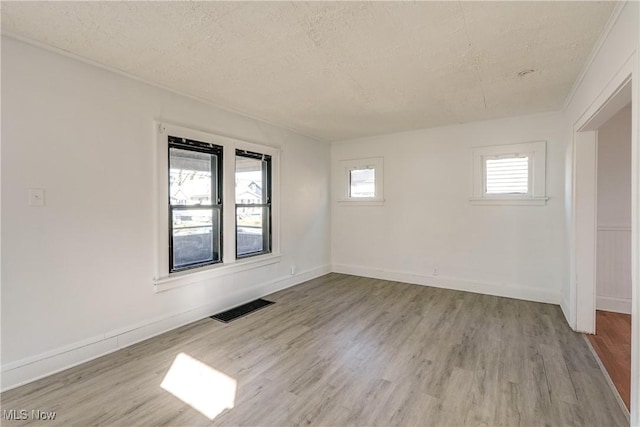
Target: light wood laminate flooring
346	350
612	342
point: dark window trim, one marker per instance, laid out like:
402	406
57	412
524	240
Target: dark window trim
216	189
267	238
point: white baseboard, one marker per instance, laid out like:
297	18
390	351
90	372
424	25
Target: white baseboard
26	370
617	305
458	284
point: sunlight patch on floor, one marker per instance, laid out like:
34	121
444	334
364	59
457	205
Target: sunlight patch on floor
202	387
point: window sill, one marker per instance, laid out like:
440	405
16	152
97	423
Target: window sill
363	202
177	280
506	201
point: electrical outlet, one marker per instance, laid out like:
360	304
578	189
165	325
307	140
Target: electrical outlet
436	271
293	270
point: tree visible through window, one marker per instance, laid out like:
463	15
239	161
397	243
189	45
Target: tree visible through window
195	204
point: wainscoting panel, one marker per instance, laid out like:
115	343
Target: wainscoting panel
613	280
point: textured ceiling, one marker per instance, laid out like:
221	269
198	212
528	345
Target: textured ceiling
335	70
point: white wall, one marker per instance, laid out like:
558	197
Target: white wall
428	222
613	280
614	171
77	273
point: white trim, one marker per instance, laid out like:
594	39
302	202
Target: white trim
613	86
617	10
564	306
162	279
584	225
375	163
366	202
537	191
514	201
635	242
185	278
614	228
616	305
508	290
42	365
630	68
128	75
584	231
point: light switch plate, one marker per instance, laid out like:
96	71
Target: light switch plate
36	197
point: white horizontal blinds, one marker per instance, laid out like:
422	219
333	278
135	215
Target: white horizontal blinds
507	175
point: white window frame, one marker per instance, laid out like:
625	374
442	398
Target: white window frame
536	152
346	166
162	279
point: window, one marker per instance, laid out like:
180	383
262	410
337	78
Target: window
253	203
217	206
195	203
510	174
362	181
507	175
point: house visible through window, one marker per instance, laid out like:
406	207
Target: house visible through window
253	203
204	226
195	203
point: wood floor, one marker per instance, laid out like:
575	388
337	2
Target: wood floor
612	342
344	350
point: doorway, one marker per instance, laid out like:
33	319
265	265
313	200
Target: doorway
612	339
601	219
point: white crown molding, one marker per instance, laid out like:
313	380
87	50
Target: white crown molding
126	74
617	10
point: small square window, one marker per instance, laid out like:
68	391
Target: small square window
362	181
507	175
513	174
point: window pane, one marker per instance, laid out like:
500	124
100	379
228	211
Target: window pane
362	183
250	185
190	177
195	237
251	229
508	175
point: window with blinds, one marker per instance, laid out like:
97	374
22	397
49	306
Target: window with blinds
510	174
507	175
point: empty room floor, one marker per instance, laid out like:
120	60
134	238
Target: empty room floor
345	350
612	342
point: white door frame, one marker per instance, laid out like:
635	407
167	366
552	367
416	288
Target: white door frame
583	230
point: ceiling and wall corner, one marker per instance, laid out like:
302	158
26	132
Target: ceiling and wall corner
335	71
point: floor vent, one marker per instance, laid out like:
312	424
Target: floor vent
242	310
